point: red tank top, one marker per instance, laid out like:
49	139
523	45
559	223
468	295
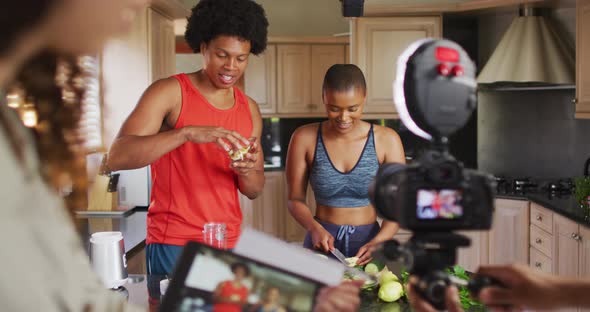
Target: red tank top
228	290
194	184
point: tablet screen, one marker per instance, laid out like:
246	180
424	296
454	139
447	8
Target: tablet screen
218	280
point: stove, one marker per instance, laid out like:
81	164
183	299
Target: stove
520	186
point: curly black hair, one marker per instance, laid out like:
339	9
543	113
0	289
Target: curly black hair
241	18
234	267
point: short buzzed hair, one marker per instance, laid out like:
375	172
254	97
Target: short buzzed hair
344	77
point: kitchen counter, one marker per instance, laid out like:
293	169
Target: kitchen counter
132	223
564	205
144	291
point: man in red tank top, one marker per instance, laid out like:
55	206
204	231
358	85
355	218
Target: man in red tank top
184	126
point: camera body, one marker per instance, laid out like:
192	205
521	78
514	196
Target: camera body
434	194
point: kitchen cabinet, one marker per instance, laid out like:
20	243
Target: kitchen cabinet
509	236
161	46
568	251
268	209
130	63
260	79
375	46
475	255
294	71
322	58
301	70
582	59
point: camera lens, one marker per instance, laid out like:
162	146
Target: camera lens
436	290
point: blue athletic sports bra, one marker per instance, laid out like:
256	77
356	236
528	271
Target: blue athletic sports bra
334	188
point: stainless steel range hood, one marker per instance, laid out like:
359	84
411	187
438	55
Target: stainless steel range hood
531	55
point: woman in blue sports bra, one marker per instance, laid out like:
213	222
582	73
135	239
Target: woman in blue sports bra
339	158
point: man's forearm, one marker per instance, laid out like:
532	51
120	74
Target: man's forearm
133	151
251	184
574	291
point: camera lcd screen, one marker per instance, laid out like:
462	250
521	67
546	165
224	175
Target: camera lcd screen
439	204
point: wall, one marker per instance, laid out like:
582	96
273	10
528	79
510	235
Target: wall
529	133
301	17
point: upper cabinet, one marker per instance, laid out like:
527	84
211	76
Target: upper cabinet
294	78
376	44
161	43
260	79
583	59
301	70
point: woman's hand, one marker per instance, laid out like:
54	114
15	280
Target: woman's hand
322	239
341	298
364	253
420	305
226	139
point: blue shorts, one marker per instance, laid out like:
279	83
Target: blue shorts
347	238
161	258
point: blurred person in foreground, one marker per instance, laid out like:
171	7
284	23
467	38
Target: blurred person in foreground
47	268
523	289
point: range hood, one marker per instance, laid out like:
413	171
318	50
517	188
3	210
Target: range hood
531	55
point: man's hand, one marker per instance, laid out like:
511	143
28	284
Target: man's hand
247	164
342	298
226	139
420	305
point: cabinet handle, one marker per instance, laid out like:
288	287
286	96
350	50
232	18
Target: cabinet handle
539	218
575	101
538	264
576	237
538	240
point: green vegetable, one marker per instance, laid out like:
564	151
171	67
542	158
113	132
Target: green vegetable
582	189
391	291
390	307
388	277
371	268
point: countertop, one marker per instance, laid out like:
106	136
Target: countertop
131	223
564	205
144	291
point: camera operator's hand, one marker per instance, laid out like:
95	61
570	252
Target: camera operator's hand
341	298
420	305
322	239
529	289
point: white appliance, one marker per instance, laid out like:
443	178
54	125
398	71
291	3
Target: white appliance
134	187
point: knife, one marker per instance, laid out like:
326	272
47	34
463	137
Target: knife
351	270
339	256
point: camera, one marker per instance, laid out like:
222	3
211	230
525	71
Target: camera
352	8
435	94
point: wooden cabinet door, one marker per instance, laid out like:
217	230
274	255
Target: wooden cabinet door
269	207
475	255
584	264
376	44
247	207
293	78
260	79
509	236
322	57
583	59
565	247
161	46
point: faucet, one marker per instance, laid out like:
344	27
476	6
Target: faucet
587	167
